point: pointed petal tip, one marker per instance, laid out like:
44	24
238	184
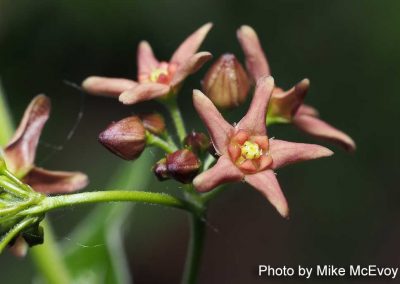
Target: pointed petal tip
206	27
266	80
246	30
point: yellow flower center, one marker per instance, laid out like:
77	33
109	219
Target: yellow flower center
156	73
251	150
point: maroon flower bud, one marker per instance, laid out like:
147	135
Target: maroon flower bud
160	170
183	165
125	138
198	142
153	122
226	82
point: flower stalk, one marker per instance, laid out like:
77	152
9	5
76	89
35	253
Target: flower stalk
173	108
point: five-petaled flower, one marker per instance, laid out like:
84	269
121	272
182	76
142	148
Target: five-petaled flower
245	152
287	106
20	154
155	79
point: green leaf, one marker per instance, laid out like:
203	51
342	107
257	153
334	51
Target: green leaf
103	259
6	124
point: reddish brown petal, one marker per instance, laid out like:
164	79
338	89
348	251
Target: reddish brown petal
110	87
55	182
318	128
222	172
143	92
268	185
308	110
146	61
20	152
254	120
190	45
286	103
19	248
217	126
256	61
190	66
284	153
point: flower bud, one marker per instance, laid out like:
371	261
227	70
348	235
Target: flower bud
183	165
160	170
226	82
198	142
153	122
125	138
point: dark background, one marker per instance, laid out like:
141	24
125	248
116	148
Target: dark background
344	210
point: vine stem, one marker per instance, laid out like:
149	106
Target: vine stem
55	202
55	270
172	106
156	141
195	250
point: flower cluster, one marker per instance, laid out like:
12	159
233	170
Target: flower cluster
231	152
242	151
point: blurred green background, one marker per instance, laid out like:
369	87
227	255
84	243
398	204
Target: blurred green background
344	210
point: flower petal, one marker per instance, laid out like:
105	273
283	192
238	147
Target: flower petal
222	172
286	103
143	92
21	151
308	110
20	247
55	182
190	66
256	61
218	128
109	87
318	128
146	61
284	153
254	120
266	183
190	45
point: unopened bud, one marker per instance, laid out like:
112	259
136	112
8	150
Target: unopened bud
160	170
153	122
198	142
125	138
183	165
226	82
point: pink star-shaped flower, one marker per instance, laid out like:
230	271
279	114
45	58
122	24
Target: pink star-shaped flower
245	151
155	78
288	106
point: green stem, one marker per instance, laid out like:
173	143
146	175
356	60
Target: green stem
6	124
54	202
194	254
48	260
176	115
14	231
156	141
207	197
10	187
208	162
